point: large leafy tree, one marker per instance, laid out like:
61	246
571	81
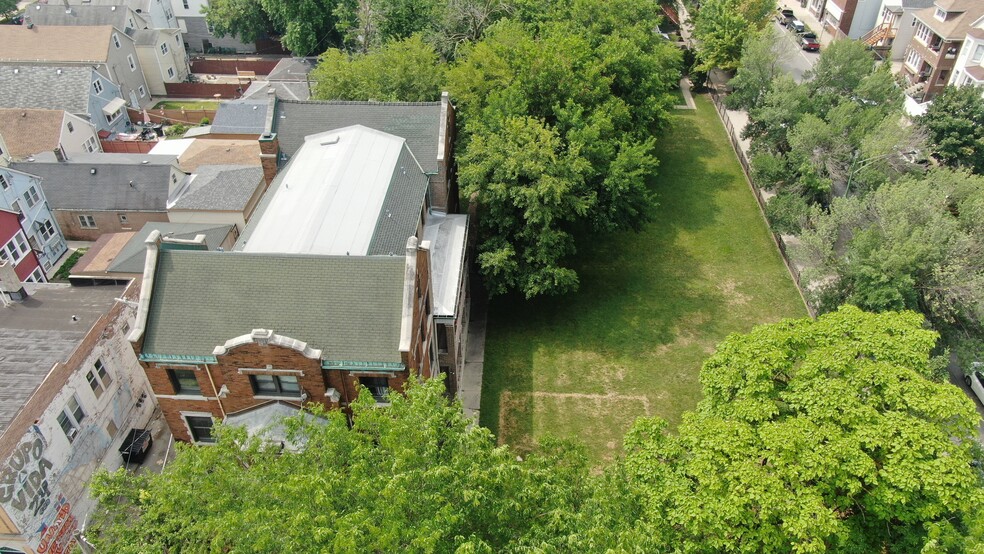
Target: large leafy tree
408	70
415	476
7	7
721	28
915	244
813	436
759	66
243	19
955	123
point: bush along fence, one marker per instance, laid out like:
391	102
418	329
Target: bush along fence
188	117
734	136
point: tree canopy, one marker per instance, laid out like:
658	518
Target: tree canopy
833	434
721	28
955	123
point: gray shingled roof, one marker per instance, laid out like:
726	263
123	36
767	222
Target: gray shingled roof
54	14
400	213
290	90
240	117
131	257
72	185
43	87
292	69
349	307
417	122
221	188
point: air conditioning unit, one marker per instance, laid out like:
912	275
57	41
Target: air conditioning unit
72	432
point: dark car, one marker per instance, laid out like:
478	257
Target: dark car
784	17
810	42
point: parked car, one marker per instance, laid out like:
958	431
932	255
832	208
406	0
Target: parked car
976	382
784	16
797	25
810	42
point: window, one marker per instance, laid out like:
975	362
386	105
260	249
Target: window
275	385
941	14
15	249
378	387
87	222
200	427
116	40
36	276
71	418
98	378
97	86
185	382
89	144
164	48
913	60
978	53
15	206
31	196
116	115
123	219
129	60
71	128
442	339
185	4
923	33
4	184
142	90
46	229
170	73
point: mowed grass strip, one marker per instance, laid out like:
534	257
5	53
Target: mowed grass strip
651	307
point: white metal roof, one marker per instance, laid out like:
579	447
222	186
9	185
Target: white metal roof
174	147
445	236
331	195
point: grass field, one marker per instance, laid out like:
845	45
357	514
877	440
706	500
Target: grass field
652	306
188	105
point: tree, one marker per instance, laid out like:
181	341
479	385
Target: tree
721	27
7	8
414	476
812	436
408	70
759	66
243	19
955	123
308	26
914	244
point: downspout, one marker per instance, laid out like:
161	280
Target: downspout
215	390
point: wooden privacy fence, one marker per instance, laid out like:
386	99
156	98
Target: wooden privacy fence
734	137
188	117
206	90
232	66
127	146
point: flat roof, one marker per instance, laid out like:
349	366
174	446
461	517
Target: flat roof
39	332
341	190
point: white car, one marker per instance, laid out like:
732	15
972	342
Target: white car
797	26
976	382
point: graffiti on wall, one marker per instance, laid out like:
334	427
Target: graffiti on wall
24	479
58	537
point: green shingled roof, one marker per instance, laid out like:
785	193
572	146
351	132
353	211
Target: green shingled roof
349	307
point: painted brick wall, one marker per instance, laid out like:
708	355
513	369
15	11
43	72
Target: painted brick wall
106	222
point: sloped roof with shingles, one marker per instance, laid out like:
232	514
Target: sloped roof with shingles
290	90
417	122
68	43
221	188
292	69
350	307
240	117
400	213
131	256
55	14
45	87
27	131
73	185
956	26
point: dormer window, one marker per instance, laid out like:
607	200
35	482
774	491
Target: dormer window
941	14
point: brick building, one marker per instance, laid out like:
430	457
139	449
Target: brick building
345	276
939	33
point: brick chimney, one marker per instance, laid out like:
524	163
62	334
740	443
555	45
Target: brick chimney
269	144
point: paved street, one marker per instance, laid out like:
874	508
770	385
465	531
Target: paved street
796	62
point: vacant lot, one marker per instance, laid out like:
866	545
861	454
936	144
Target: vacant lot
652	306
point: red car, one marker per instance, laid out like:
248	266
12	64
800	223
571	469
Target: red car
810	42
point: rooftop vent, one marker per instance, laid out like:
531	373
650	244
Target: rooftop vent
92	171
145	162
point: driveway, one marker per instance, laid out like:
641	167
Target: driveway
956	377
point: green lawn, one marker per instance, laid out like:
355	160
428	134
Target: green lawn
187	105
651	307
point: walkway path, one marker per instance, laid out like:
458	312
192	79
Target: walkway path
688	98
470	377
